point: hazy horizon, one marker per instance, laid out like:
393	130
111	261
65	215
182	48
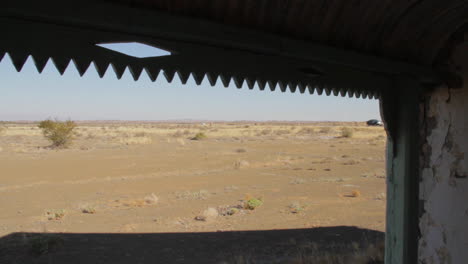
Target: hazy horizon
181	121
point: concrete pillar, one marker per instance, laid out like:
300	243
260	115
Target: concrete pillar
443	190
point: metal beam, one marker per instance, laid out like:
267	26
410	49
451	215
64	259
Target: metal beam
401	115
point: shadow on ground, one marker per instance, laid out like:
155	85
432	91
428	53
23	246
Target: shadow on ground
340	244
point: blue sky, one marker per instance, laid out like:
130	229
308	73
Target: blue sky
29	95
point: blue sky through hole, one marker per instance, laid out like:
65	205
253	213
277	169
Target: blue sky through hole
29	95
135	49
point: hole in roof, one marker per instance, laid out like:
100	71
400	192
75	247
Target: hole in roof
135	49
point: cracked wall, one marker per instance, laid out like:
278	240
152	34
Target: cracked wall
444	177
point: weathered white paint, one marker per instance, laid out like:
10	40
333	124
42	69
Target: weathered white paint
444	184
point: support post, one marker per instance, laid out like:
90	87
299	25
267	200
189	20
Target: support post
400	113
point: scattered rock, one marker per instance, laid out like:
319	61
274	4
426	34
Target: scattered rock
351	162
296	208
88	210
241	164
380	196
151	199
207	215
55	214
232	211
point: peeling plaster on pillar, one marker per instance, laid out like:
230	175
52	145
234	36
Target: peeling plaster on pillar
444	183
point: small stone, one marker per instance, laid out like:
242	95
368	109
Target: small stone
207	215
200	218
151	199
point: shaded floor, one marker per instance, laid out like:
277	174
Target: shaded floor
340	244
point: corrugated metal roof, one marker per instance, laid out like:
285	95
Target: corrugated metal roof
408	30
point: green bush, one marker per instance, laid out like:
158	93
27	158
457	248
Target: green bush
199	136
253	203
59	133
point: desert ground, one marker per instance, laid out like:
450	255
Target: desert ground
134	180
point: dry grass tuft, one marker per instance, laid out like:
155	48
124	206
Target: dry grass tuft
264	132
180	133
133	140
199	136
55	214
241	150
355	193
240	164
282	132
347	132
140	134
306	131
325	130
253	203
88	209
297	181
296	207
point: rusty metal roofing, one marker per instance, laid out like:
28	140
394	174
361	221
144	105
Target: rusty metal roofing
339	47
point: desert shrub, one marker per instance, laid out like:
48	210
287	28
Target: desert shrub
241	150
232	211
59	133
239	164
296	207
55	214
281	132
199	136
347	132
265	132
140	134
87	208
325	130
306	131
253	203
177	134
297	181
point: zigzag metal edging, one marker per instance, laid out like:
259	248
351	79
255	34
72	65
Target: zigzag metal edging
82	65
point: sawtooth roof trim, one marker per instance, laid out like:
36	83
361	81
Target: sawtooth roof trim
67	32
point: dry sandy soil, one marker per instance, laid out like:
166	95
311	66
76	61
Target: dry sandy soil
123	184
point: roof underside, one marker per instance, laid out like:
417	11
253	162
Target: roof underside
346	47
406	30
